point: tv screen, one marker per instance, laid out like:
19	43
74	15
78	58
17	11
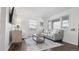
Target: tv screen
11	11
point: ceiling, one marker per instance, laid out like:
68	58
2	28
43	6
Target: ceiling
31	12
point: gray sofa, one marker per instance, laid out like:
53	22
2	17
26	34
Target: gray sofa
55	35
58	36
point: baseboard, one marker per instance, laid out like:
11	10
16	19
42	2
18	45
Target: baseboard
70	42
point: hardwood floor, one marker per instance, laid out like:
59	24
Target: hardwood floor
65	47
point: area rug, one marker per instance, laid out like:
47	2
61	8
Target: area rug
33	46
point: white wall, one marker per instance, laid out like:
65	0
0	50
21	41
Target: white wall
7	30
1	32
70	36
4	29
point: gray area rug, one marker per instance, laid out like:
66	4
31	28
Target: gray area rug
33	46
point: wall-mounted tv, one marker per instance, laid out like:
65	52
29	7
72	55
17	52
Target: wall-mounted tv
11	12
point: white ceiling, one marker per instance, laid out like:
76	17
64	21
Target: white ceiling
38	11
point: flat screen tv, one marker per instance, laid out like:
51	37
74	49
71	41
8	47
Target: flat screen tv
11	12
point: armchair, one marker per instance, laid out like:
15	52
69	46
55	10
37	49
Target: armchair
58	36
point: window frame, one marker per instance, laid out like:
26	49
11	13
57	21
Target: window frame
65	27
32	26
50	25
56	20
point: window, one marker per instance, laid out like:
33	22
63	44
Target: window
49	25
65	21
32	24
56	24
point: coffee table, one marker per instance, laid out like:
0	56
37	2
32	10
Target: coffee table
38	38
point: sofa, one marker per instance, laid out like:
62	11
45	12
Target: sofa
55	35
58	36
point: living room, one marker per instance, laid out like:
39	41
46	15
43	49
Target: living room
40	26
